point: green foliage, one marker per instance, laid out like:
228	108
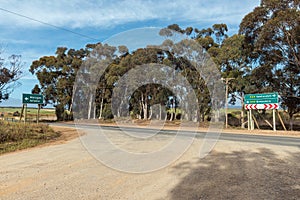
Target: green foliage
36	89
272	44
263	57
9	75
56	75
107	113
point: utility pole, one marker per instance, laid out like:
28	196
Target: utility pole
226	99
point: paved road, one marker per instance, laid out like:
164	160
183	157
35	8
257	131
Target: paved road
274	140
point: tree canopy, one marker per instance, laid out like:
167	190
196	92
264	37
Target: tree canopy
272	44
10	73
263	57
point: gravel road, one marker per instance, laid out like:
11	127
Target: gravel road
234	170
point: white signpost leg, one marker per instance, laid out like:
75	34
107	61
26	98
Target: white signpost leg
248	117
274	120
38	114
25	113
251	121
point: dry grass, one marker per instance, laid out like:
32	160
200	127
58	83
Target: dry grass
16	136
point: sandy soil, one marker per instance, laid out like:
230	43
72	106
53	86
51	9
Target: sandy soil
234	170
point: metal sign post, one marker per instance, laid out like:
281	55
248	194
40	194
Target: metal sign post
248	116
251	121
25	113
274	121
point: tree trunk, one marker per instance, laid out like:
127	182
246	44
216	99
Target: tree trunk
242	118
175	114
160	112
141	110
171	116
150	114
90	107
73	95
202	117
145	107
145	111
101	108
242	113
291	121
196	119
94	113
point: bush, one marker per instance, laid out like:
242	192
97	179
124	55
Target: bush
107	113
16	114
59	112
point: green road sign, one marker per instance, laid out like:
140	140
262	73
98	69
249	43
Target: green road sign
32	99
266	98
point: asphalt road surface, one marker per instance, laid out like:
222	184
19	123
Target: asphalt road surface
275	140
239	167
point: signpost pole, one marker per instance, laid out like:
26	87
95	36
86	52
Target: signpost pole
22	111
274	120
248	116
25	113
251	122
38	114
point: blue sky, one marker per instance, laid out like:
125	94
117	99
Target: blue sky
98	21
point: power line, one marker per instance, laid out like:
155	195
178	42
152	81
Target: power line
48	24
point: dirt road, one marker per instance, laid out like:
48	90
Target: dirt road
234	170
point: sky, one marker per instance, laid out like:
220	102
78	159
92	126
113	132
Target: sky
34	28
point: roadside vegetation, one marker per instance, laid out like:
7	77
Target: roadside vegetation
263	119
17	136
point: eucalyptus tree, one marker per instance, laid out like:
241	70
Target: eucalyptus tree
10	73
56	75
272	43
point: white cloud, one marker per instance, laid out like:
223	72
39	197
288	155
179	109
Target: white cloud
105	13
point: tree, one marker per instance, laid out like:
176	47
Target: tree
56	75
10	73
36	89
211	40
272	41
232	62
140	100
91	92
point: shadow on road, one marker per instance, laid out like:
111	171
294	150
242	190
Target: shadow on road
240	175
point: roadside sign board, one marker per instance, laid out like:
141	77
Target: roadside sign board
32	99
261	101
266	98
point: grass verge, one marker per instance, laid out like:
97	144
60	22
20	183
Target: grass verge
17	136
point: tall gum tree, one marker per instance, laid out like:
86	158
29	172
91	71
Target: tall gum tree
272	41
56	75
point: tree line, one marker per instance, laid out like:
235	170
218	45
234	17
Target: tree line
262	57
